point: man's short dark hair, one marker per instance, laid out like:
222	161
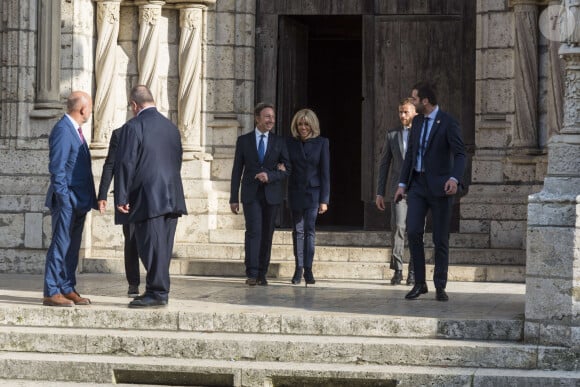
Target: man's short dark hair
426	90
261	106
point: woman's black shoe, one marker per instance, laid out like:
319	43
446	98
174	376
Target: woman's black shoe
297	276
309	277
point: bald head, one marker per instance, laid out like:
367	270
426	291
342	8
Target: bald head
79	106
140	98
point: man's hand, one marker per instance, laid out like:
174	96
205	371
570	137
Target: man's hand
262	177
235	207
380	202
450	187
281	167
102	205
124	209
399	194
322	208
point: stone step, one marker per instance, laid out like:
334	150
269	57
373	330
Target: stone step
102	369
322	269
350	238
285	348
187	317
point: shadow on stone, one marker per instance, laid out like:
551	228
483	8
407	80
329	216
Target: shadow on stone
141	377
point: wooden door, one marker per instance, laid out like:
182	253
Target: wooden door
406	50
292	87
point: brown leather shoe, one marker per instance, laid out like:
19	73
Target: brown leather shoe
57	300
77	299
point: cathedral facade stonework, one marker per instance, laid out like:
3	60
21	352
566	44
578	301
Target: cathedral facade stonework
199	59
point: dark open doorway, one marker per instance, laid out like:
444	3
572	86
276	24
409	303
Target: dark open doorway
328	79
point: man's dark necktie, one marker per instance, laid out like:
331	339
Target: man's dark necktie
81	135
261	149
423	143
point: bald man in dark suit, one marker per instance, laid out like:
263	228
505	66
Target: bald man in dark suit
148	188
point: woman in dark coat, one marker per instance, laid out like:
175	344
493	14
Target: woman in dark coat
308	188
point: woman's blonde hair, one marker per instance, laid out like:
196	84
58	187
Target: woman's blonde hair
310	118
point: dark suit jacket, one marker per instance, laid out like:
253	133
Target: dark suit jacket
444	154
107	175
309	183
391	163
247	165
71	174
148	167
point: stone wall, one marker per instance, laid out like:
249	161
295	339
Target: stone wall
510	157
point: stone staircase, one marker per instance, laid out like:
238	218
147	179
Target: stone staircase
197	345
339	255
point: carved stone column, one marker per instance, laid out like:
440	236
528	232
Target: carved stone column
48	65
190	73
555	98
553	233
148	46
105	71
525	133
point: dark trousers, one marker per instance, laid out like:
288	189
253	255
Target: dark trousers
420	201
304	236
131	255
62	257
155	239
260	221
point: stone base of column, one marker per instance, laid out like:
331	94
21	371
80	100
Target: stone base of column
553	250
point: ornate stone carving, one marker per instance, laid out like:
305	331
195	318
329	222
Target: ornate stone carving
572	93
105	71
148	46
190	65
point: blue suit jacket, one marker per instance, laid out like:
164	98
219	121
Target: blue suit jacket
147	168
71	175
309	183
444	154
247	166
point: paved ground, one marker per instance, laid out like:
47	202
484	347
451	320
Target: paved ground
468	300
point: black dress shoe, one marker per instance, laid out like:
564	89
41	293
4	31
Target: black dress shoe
148	302
411	278
417	290
441	295
397	277
251	282
262	281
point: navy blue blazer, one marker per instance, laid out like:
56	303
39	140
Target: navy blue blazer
71	174
148	168
247	166
309	183
444	154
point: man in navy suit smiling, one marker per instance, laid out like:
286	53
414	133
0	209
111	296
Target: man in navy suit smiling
431	174
256	160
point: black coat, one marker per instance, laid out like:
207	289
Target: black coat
148	167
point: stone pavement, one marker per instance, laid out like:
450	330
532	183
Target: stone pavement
468	300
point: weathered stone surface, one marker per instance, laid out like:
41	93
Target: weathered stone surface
12	230
549	249
508	234
33	230
549	298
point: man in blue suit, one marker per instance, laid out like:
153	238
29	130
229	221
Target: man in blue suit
70	196
149	190
431	174
256	160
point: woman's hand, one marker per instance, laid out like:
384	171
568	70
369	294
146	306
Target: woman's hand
281	167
